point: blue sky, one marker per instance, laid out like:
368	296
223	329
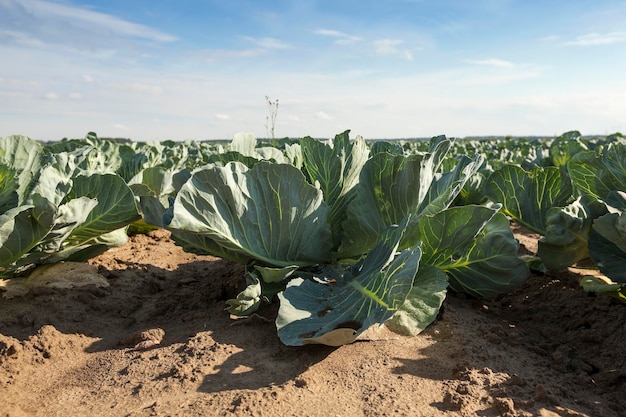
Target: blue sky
176	69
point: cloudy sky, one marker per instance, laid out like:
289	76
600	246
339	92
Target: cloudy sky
201	69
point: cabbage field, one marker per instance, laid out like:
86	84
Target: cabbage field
345	233
335	237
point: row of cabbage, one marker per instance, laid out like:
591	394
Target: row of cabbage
346	234
570	190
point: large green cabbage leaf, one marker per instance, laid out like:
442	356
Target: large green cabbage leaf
598	175
336	305
526	196
475	246
268	213
607	242
422	303
25	157
8	188
21	229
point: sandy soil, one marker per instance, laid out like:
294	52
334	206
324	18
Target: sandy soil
157	342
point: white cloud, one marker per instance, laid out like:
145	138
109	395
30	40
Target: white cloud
75	96
268	43
392	47
591	39
146	88
138	87
87	78
21	38
217	55
323	115
341	37
492	62
489	79
120	126
77	16
222	116
51	96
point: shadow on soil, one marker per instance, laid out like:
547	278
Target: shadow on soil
184	302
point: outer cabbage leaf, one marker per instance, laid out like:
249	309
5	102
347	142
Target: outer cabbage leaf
337	305
269	213
67	218
263	284
90	249
26	157
245	144
21	229
472	191
607	243
116	206
8	188
475	246
527	195
91	219
422	304
154	186
599	175
55	180
567	233
382	146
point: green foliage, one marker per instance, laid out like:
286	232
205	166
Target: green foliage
345	233
320	229
526	196
53	212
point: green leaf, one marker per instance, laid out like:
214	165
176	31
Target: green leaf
274	275
567	233
336	169
116	206
447	186
26	157
154	187
604	285
21	229
247	301
8	188
607	245
69	216
55	180
394	186
269	213
598	175
565	147
527	195
423	302
475	246
339	304
245	145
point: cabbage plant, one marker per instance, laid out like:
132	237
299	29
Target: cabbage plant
349	238
579	208
51	210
